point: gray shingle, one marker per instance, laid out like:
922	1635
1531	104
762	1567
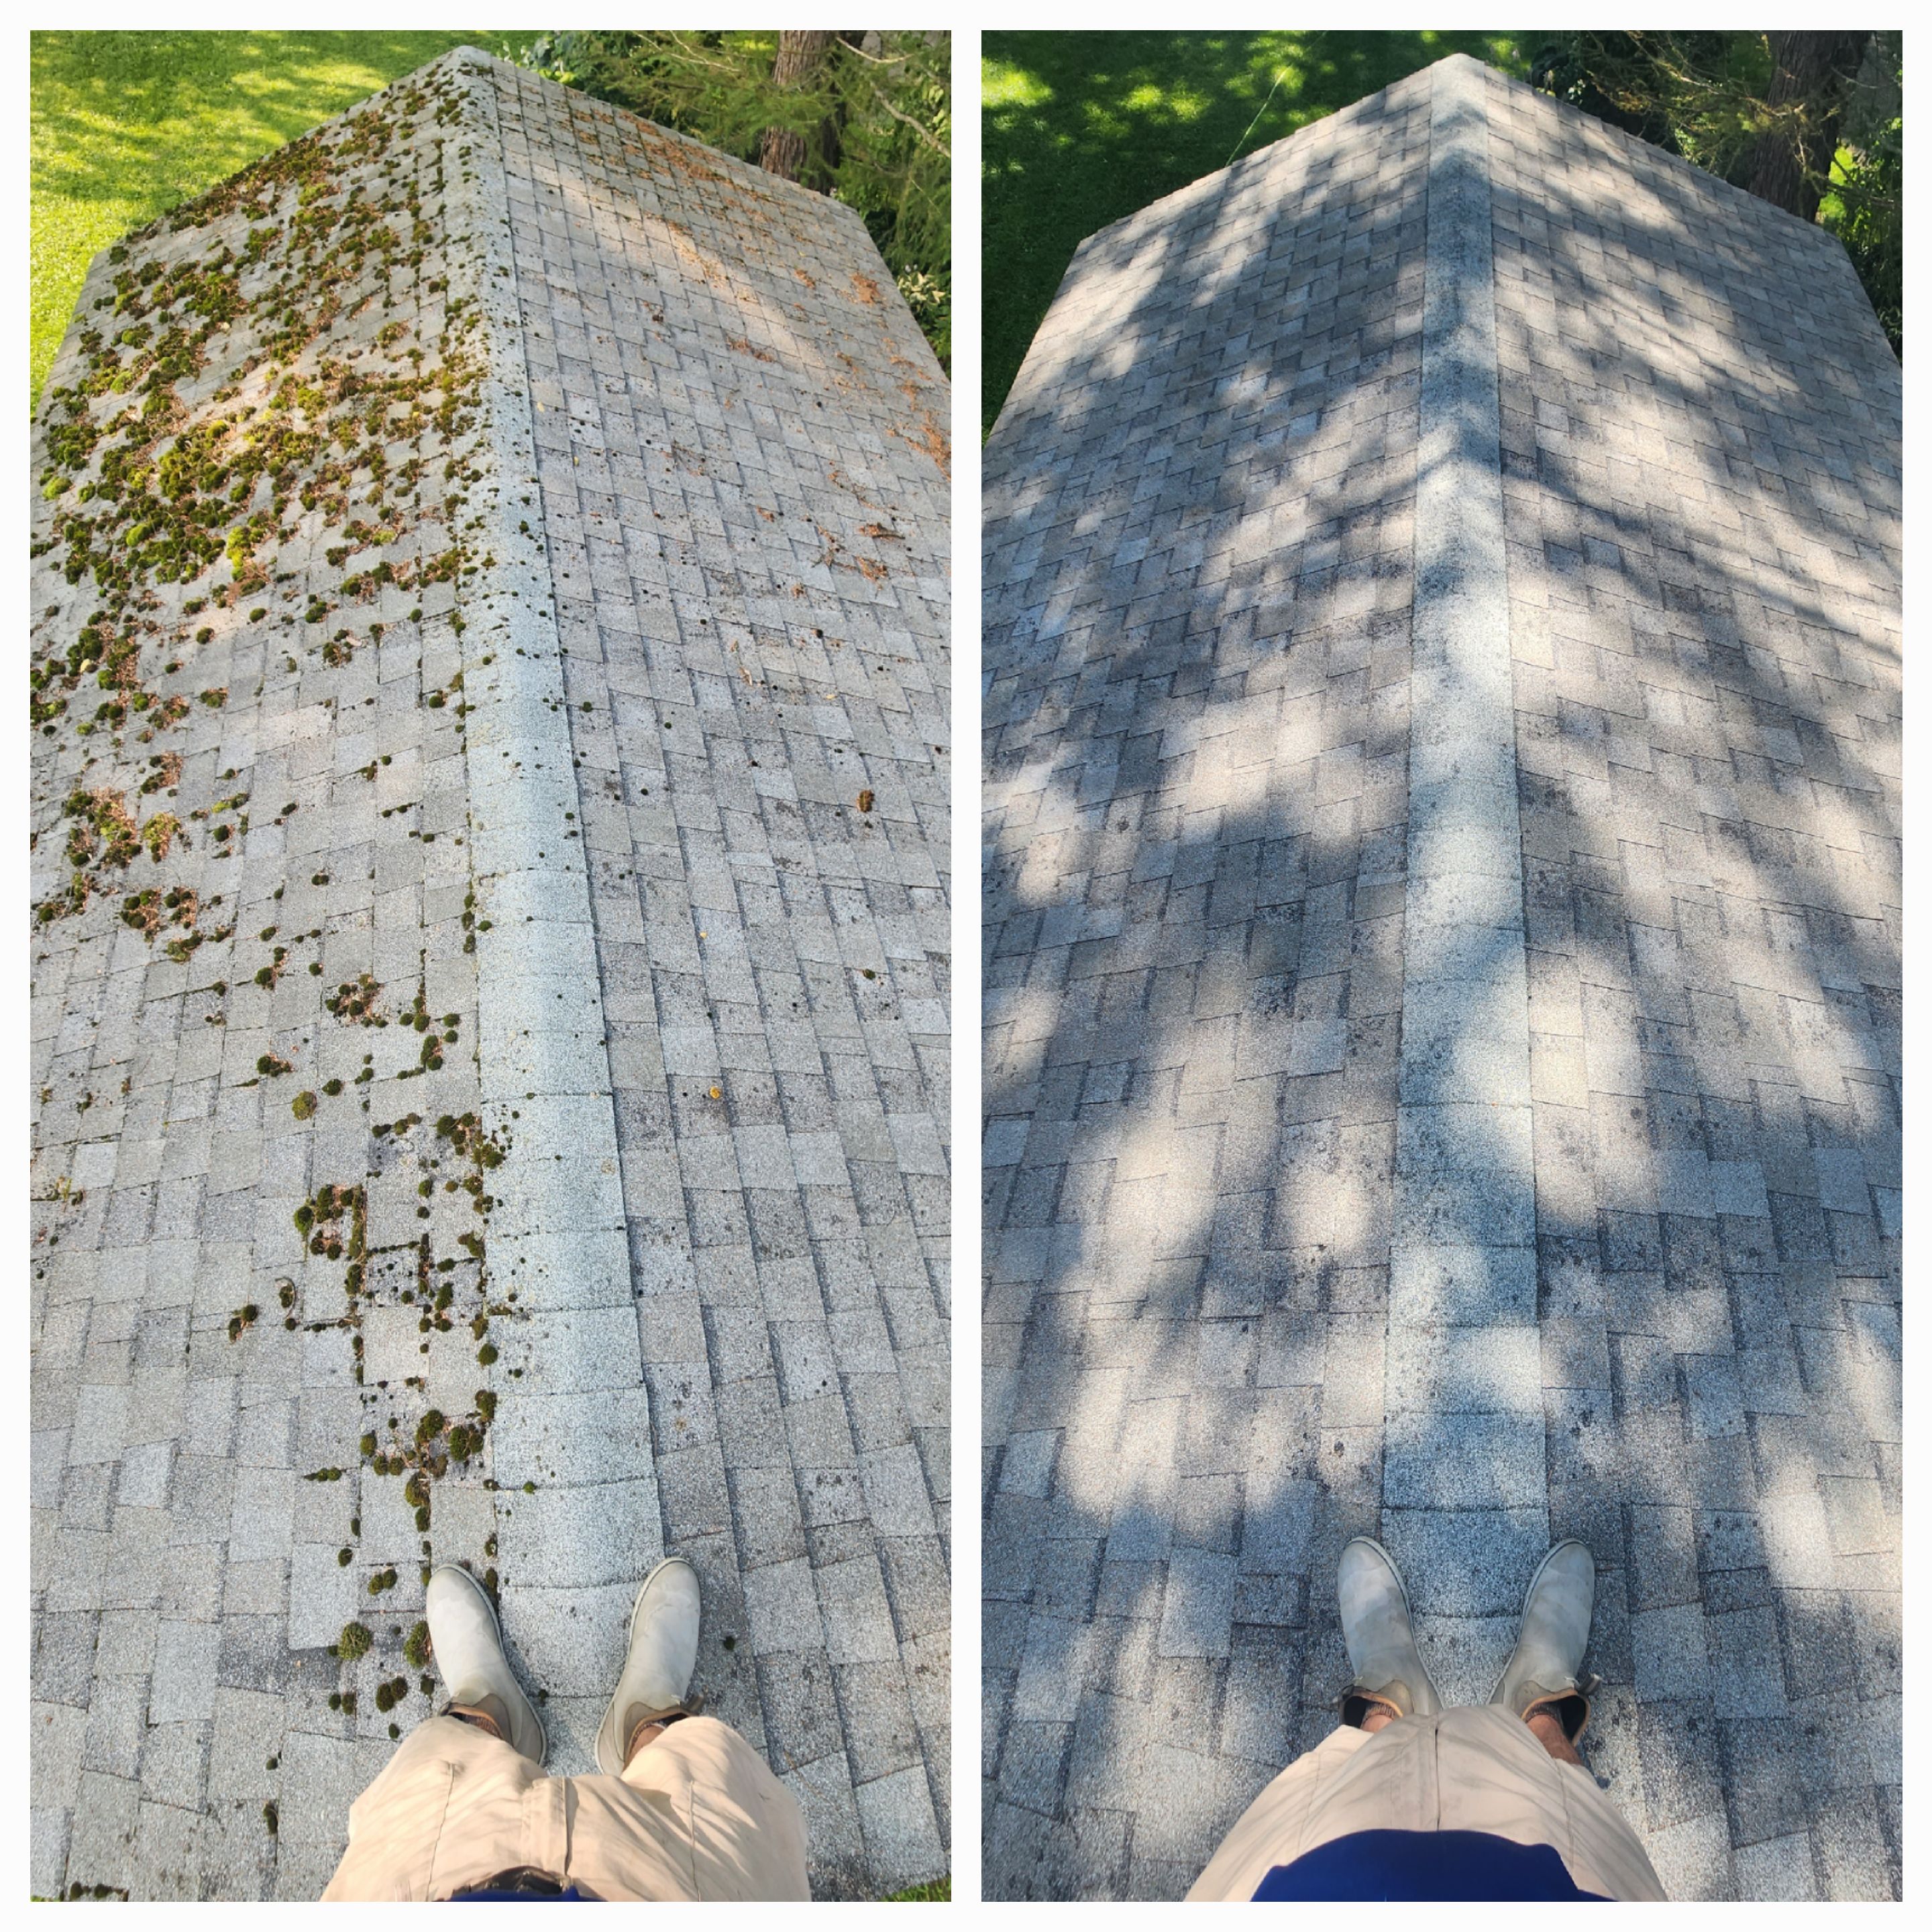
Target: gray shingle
1633	640
591	794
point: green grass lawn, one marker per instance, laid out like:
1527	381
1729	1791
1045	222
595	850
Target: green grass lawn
939	1892
1081	128
126	125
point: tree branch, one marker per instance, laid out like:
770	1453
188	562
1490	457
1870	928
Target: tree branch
938	147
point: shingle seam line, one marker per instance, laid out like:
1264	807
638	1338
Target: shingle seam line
543	1052
1463	1479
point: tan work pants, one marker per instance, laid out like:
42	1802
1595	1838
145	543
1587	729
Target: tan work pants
697	1814
1473	1768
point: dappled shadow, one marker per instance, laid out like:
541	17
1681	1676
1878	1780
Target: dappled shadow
1713	843
110	107
1168	1254
1186	1243
1081	129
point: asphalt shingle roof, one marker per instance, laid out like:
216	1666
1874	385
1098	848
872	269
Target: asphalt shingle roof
1442	659
500	1116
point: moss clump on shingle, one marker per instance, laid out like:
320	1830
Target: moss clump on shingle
210	408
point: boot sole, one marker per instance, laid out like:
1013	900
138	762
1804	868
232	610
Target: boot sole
1496	1696
1408	1611
496	1624
608	1744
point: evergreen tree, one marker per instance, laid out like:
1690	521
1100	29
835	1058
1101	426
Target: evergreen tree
784	151
866	117
1811	120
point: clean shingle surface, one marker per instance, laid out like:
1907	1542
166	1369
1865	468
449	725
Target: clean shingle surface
1202	541
746	529
1702	494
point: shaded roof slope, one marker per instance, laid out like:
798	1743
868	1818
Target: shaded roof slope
1443	652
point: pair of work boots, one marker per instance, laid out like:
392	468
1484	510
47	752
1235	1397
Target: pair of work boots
1544	1671
466	1643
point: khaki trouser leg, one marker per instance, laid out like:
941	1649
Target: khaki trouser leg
1471	1768
446	1811
697	1814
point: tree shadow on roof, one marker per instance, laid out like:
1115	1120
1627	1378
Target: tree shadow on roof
1163	1327
1082	128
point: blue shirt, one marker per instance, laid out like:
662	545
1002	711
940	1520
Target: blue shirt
1418	1866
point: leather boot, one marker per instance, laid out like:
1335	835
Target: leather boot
1375	1626
1546	1667
466	1643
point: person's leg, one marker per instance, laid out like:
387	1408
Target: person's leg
1516	1776
687	1808
1544	1725
1390	1681
1547	1727
696	1814
662	1654
487	1714
1269	1832
416	1833
446	1811
647	1730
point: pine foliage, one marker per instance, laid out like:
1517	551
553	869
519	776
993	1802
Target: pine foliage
1716	99
875	115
